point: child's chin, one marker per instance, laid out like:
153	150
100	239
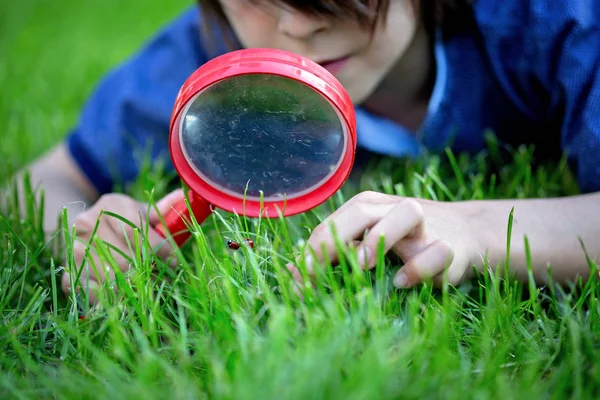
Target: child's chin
359	92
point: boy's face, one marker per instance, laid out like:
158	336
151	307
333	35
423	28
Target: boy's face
361	61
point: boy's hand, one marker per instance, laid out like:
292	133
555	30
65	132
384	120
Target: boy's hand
116	233
428	236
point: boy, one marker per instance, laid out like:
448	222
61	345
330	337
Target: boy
418	72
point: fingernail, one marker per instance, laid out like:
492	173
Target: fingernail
91	289
401	280
365	256
290	267
296	290
309	263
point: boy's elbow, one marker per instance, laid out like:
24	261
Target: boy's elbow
56	170
59	178
62	182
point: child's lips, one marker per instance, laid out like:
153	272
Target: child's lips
334	65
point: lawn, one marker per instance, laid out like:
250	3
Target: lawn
225	324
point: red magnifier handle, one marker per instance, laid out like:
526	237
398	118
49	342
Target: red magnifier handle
179	215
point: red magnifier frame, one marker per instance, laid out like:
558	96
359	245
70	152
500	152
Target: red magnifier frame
203	196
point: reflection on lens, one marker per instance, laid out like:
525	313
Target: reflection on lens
262	132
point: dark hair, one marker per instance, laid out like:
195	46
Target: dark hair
449	13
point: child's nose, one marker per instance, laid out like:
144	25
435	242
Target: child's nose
298	26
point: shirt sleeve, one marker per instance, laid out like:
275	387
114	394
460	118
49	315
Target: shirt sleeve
546	54
128	113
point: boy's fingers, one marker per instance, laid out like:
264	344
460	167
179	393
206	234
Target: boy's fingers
348	223
164	205
162	247
118	234
159	244
89	274
105	234
90	287
430	262
405	217
95	266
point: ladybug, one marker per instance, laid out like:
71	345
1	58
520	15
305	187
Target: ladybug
233	245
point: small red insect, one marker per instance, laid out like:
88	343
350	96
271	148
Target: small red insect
235	245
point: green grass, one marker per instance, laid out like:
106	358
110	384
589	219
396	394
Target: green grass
226	324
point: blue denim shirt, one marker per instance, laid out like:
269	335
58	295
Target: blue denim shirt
527	70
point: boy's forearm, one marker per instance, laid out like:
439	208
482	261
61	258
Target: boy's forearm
58	194
62	184
553	228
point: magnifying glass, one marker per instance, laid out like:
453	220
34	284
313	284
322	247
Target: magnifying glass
259	132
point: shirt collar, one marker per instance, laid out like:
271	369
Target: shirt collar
383	136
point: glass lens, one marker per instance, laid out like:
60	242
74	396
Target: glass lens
262	133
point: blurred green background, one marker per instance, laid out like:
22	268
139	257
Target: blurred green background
52	54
